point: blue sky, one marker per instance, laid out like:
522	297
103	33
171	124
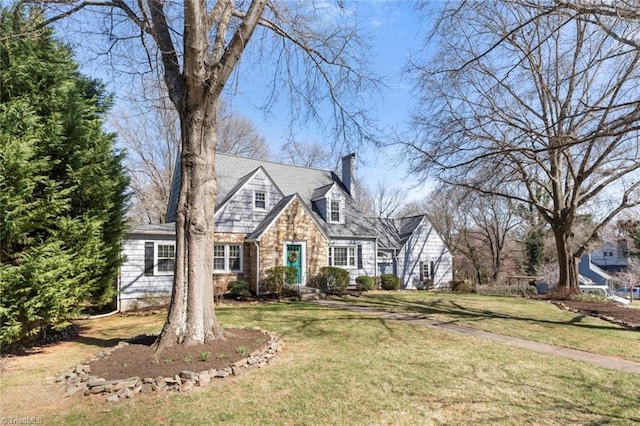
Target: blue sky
396	32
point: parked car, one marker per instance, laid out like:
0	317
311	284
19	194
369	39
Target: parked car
626	292
597	290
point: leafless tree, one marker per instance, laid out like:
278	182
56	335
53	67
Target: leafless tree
150	132
387	200
199	45
519	102
308	154
495	219
237	135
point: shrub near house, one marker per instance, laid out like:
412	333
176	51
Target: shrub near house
390	282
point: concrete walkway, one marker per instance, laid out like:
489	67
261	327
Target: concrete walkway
577	355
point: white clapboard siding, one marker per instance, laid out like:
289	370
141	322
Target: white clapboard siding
424	245
134	284
368	256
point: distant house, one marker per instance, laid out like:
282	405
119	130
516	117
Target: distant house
590	273
270	214
611	257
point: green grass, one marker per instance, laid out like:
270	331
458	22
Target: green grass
513	316
340	367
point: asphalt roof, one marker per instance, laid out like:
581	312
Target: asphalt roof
309	184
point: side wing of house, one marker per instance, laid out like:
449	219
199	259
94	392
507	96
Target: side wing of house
146	275
424	256
356	255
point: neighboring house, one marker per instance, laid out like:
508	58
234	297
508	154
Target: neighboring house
611	257
270	214
590	273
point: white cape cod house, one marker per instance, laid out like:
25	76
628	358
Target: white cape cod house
270	214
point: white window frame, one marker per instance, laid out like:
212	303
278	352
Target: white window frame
227	250
352	257
157	258
255	200
339	211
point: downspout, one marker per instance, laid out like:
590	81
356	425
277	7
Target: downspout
257	268
108	314
375	262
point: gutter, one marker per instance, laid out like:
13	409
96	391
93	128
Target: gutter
257	267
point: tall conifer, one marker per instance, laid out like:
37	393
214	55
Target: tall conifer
62	185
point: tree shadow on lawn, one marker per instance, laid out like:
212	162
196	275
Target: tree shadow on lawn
312	319
458	312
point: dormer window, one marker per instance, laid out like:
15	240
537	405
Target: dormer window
334	211
259	200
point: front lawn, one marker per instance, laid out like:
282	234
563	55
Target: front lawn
340	367
513	316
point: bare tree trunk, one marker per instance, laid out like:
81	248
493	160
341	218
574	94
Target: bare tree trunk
568	283
191	317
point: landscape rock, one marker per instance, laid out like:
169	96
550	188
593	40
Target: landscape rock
186	386
78	379
221	374
190	375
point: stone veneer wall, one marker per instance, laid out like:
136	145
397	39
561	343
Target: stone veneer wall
294	224
220	280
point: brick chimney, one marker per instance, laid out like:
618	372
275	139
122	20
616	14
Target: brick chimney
348	172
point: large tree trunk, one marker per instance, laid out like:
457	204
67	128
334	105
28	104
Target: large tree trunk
568	281
191	318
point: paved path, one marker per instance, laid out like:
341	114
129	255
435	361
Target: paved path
595	359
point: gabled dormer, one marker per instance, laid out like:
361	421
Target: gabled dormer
330	201
248	202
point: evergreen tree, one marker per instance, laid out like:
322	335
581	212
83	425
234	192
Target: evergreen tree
62	185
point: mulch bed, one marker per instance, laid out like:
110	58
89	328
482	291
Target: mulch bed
139	360
609	311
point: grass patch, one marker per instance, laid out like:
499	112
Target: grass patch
342	367
513	316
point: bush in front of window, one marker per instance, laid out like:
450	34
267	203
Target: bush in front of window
332	280
390	282
425	284
239	289
279	279
365	283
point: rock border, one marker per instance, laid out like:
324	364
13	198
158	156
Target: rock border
78	379
610	319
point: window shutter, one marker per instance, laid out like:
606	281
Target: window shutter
432	270
148	258
421	271
359	256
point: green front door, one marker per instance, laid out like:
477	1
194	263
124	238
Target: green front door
294	258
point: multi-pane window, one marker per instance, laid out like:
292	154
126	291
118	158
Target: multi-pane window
166	258
428	270
218	257
342	256
234	258
259	200
335	211
227	258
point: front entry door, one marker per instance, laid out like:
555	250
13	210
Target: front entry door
294	258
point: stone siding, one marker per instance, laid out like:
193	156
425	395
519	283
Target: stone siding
294	225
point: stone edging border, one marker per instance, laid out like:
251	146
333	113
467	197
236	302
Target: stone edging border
602	317
78	379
